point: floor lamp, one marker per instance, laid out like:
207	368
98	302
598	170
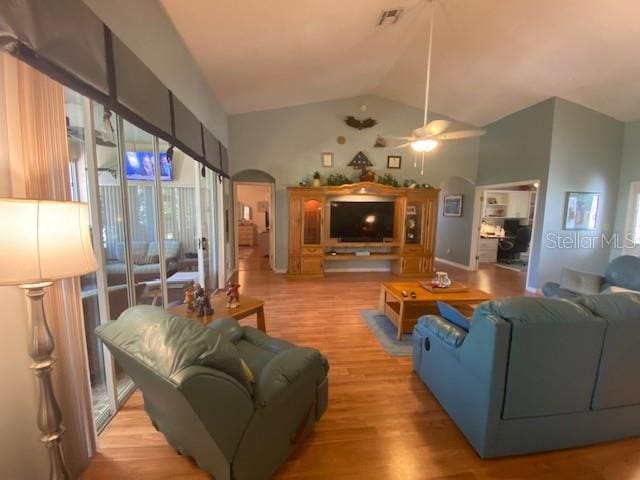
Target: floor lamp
43	241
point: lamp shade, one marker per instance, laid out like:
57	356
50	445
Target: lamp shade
44	240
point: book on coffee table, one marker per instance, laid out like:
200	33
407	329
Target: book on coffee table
455	287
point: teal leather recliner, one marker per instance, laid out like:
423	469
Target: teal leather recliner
536	374
236	400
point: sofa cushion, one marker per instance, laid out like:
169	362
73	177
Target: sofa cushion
580	282
555	347
138	250
147	260
619	371
453	315
168	343
171	249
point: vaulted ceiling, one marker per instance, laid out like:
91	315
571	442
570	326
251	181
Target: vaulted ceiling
490	57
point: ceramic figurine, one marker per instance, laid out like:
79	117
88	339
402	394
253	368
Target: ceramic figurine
189	293
202	302
233	295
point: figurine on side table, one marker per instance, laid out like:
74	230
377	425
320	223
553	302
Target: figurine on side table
233	295
189	301
202	301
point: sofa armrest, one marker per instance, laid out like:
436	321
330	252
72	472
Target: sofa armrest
286	368
221	402
450	334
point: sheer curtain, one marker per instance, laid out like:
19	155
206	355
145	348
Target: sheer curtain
45	175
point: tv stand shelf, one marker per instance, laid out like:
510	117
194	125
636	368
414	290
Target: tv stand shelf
410	251
353	256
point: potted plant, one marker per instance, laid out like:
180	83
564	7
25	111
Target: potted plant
316	178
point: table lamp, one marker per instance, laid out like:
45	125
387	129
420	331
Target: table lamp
43	241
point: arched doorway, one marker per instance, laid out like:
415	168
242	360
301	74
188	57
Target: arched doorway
254	225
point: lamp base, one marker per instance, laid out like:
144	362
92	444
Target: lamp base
41	347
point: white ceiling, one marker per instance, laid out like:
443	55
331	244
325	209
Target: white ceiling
490	57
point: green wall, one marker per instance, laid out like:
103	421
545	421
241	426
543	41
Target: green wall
453	240
518	148
286	143
567	147
586	149
629	172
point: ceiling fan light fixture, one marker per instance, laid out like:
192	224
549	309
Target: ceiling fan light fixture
424	146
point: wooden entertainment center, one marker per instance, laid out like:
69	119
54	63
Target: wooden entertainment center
410	250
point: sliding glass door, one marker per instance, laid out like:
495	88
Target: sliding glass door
152	218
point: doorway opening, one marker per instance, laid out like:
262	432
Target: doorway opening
254	223
504	226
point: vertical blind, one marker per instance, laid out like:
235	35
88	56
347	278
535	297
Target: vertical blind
180	220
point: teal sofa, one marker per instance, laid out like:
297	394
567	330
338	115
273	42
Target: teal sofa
536	374
622	272
236	400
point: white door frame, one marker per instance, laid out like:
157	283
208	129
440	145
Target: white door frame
629	224
220	232
272	219
477	215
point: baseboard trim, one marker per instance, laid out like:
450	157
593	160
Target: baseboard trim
454	264
537	291
280	270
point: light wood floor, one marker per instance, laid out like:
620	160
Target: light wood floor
382	422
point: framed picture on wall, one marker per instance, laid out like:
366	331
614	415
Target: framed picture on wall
581	212
327	159
452	206
394	161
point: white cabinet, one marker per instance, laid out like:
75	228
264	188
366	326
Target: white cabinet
519	204
488	250
246	235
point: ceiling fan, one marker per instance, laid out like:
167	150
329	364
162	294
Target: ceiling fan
428	137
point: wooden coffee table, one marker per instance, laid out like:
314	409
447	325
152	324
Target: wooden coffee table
248	306
405	311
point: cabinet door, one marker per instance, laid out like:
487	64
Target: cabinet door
412	265
311	265
312	221
413	222
294	265
430	223
295	224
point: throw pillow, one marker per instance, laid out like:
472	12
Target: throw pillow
614	289
453	315
580	282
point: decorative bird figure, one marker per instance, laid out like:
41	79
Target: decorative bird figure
360	124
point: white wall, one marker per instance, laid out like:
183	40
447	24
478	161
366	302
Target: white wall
145	28
22	455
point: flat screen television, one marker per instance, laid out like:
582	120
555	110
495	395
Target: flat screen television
361	221
140	166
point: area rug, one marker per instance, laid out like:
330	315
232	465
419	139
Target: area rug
385	331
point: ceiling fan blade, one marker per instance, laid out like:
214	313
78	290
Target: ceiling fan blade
460	134
431	129
402	145
398	138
